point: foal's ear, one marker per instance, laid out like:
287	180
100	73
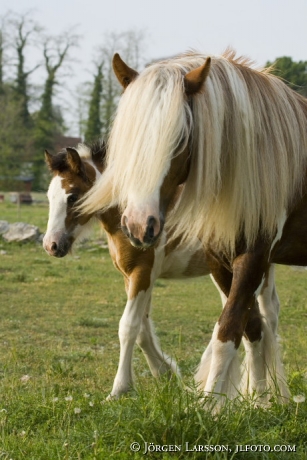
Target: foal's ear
194	80
74	160
48	159
123	72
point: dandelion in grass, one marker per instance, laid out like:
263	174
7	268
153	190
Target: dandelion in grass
69	398
298	399
77	410
86	395
91	404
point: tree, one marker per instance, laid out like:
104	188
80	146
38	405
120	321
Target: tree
3	48
294	73
15	121
48	120
16	143
94	123
130	45
97	101
25	29
1	61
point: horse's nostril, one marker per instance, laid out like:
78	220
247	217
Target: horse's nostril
151	222
124	221
54	246
151	227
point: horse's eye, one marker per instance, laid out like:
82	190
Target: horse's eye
72	199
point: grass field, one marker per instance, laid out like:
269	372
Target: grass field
59	353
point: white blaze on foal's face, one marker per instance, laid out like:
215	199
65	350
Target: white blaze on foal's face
57	214
64	225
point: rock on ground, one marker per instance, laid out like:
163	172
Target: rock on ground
4	226
19	231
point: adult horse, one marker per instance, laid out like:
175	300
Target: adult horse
237	137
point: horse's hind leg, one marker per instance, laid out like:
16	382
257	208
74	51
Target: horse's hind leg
159	363
254	365
263	370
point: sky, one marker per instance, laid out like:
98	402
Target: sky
259	29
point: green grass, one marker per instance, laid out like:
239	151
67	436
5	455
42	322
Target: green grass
59	353
36	214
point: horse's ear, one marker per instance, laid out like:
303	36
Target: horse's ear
123	72
194	80
48	159
74	160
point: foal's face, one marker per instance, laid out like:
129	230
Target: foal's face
65	225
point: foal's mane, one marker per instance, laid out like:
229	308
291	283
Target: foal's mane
248	136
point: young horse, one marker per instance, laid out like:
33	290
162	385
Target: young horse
237	137
74	173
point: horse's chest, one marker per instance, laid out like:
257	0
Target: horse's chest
184	263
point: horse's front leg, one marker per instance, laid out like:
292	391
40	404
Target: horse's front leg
129	328
222	278
248	271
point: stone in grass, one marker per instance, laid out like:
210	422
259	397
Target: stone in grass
4	226
19	231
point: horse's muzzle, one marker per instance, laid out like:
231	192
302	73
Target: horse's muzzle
58	249
146	238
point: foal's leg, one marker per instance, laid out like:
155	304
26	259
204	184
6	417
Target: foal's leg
263	368
129	328
136	326
159	363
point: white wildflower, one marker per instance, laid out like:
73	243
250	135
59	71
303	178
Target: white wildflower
77	410
69	398
25	378
299	398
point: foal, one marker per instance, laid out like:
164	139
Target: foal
74	173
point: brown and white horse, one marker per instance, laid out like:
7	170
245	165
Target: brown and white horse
75	171
237	137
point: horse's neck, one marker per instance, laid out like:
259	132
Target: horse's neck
110	220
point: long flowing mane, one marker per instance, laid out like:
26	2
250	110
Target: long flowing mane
248	137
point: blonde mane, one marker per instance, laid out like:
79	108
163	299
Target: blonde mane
248	137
